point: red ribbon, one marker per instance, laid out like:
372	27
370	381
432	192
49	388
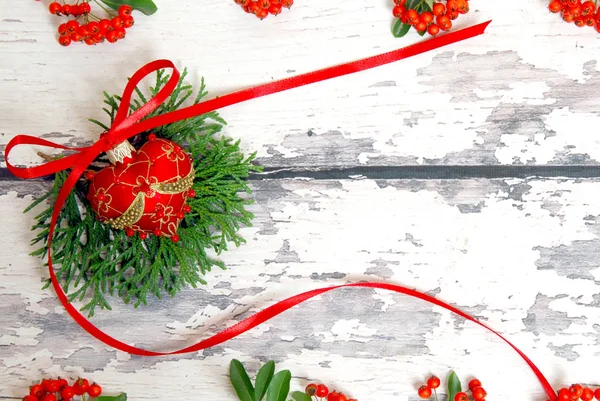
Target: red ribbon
125	126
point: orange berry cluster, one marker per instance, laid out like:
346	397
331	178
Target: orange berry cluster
578	392
478	393
60	389
581	14
431	20
92	30
262	8
321	392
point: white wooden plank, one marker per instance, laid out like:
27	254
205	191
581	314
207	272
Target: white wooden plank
519	254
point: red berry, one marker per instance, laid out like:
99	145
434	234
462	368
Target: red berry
81	386
322	391
66	9
120	33
439	9
433	382
341	397
37	390
175	238
275	9
444	23
64	40
30	398
311	389
426	17
75	37
157	232
433	29
187	209
55	8
421	26
576	390
128	22
587	394
333	396
588	7
75	10
191	193
67	393
116	22
93	27
474	383
130	233
287	3
555	6
83	30
479	393
62	29
104	25
262	13
85	8
424	392
597	393
111	36
125	11
72	26
95	390
412	16
49	397
461	397
564	395
89	40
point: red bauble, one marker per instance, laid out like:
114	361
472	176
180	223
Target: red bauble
146	190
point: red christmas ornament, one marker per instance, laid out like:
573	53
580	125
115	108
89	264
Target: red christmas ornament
144	191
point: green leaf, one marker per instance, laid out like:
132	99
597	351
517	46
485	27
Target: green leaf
280	386
300	396
241	382
429	4
263	379
120	397
453	385
400	29
146	6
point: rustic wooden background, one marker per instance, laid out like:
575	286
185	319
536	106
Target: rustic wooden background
471	172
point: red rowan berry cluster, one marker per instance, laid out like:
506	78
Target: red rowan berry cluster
477	392
424	17
59	389
321	392
578	392
92	29
580	13
262	8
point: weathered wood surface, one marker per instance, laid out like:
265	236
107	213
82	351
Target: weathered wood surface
520	253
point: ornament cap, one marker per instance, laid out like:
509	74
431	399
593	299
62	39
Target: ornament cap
120	152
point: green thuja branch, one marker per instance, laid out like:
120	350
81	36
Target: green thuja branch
94	261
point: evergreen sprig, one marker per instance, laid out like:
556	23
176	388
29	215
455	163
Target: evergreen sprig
93	260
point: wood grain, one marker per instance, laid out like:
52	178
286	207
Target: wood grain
419	173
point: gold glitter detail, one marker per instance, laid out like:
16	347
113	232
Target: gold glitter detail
175	187
120	152
131	215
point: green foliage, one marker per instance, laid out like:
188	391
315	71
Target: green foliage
275	386
145	6
454	386
94	260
